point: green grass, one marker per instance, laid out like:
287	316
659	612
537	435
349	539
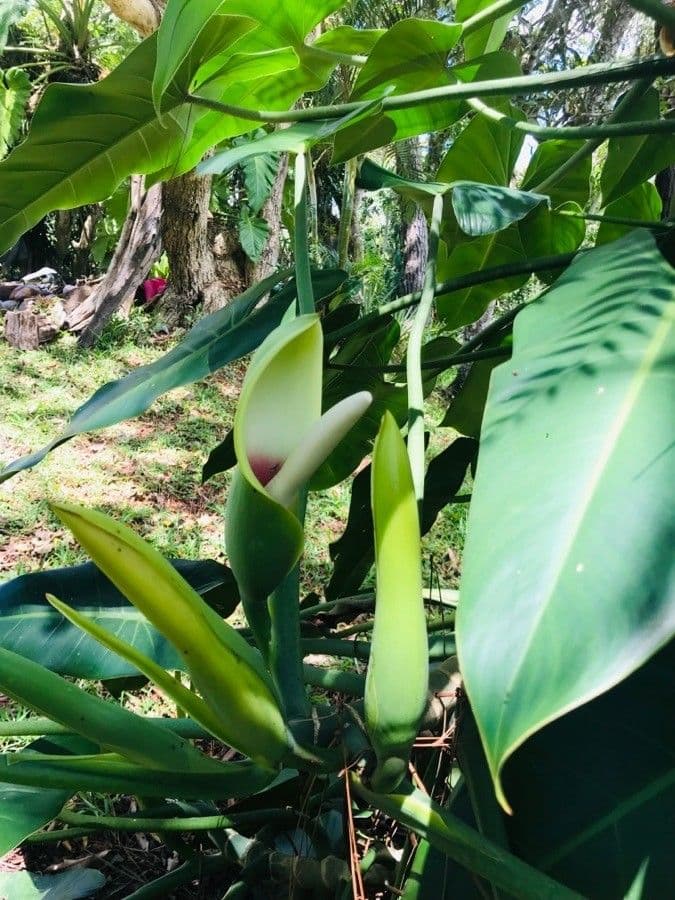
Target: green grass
147	472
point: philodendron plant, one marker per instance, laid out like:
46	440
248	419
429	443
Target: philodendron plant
512	739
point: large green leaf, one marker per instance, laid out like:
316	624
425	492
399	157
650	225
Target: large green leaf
29	625
410	56
593	793
68	885
549	156
487	38
214	341
577	476
632	160
485	208
501	248
260	173
485	150
642	203
182	23
345	39
253	234
15	88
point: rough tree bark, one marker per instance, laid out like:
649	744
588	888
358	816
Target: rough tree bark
137	249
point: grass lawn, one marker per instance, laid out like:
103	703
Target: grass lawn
147	472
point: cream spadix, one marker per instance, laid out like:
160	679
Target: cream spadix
315	446
280	439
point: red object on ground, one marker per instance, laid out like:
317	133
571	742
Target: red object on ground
152	288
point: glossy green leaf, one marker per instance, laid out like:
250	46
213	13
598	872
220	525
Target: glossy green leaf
253	234
260	173
548	232
214	341
485	150
15	89
579	418
353	553
466	305
411	56
642	203
549	156
399	644
346	39
372	177
488	38
465	413
181	25
482	209
108	773
224	668
68	885
417	811
104	723
59	166
30	626
607	770
632	160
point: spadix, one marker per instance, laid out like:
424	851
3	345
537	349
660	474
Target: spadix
280	440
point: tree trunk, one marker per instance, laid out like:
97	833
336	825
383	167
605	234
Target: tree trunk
271	213
193	275
415	242
138	247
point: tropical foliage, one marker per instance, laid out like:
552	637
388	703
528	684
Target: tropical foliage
559	779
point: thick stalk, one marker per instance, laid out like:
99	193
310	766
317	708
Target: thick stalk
471	279
303	273
189	823
576	132
663	225
445	362
347	212
414	357
35	726
632	94
599	73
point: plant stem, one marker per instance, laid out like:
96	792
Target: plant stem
344	682
285	656
460	282
599	73
663	225
457	359
490	14
632	94
303	273
657	10
576	132
470	849
59	834
414	359
347	212
189	823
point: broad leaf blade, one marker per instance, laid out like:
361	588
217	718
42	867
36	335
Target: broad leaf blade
489	37
482	209
632	160
607	769
30	626
581	420
642	203
253	234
